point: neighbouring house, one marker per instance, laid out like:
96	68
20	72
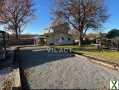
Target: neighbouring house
42	40
59	35
93	38
112	43
27	39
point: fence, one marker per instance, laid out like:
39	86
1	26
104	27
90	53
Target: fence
112	43
3	44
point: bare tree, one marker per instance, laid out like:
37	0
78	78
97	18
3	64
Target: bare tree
60	27
82	15
17	14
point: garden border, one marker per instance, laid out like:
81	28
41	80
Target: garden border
99	61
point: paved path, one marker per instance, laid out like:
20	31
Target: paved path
46	71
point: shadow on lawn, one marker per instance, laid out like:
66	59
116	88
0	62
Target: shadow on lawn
85	49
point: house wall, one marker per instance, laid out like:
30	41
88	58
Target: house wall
59	39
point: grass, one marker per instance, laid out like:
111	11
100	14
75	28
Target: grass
107	55
66	46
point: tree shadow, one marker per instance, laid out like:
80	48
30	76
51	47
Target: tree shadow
85	49
34	57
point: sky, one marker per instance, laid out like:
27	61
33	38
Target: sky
113	11
43	16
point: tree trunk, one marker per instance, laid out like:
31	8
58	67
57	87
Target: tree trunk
81	38
80	41
118	46
16	35
17	30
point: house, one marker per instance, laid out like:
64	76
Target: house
59	39
59	36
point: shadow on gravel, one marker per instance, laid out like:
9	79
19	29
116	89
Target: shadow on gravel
23	78
24	81
33	57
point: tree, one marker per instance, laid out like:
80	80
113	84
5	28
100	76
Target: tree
60	27
82	15
113	33
17	13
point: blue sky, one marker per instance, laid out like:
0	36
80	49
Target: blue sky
44	17
113	10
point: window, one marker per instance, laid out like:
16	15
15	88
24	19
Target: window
69	39
62	38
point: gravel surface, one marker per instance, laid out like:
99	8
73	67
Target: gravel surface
6	78
59	71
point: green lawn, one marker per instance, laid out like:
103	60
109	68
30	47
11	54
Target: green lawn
66	46
108	55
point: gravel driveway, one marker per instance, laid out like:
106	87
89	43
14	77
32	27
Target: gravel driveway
55	71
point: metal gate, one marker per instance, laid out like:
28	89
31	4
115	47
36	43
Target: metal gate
3	44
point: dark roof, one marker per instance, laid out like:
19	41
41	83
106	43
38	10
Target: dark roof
28	36
3	32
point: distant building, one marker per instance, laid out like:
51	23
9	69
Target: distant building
27	39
